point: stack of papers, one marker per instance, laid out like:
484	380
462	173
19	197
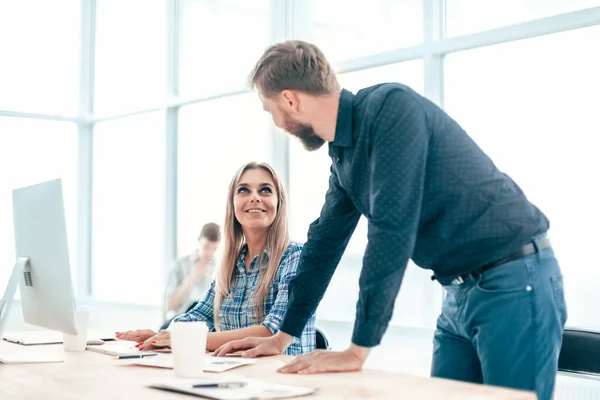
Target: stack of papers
211	364
252	389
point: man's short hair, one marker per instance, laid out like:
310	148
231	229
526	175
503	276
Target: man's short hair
293	65
211	232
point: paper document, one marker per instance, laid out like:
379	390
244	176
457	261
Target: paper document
252	390
118	348
211	364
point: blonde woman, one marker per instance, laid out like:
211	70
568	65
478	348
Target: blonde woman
250	295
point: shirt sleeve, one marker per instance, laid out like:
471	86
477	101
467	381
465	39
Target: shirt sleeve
204	310
289	267
328	237
400	140
175	279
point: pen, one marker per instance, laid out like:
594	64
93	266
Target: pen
135	356
224	385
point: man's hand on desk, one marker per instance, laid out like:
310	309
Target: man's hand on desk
320	361
257	346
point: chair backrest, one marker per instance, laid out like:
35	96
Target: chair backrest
322	339
580	352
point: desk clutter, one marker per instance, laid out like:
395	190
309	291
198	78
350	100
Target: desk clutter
94	376
126	351
207	386
210	384
154	376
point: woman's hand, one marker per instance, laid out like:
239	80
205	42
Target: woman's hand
159	341
257	346
139	335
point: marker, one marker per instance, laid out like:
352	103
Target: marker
135	356
223	385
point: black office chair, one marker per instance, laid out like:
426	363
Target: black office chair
322	339
580	352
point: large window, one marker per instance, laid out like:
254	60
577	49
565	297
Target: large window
220	42
39	44
532	106
351	29
216	138
130	54
468	16
128	210
409	73
34	151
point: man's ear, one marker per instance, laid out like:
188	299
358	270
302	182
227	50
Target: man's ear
290	100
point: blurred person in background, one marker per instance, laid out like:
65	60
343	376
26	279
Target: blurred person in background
192	275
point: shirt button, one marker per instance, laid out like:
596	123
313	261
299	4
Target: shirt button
528	288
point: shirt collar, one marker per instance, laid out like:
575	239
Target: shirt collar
242	265
343	125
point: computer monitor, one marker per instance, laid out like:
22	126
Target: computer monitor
42	270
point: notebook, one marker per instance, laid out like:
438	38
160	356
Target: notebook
34	338
252	390
119	348
211	364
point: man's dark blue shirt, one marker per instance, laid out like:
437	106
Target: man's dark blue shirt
429	194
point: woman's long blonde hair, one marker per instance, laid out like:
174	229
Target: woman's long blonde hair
277	243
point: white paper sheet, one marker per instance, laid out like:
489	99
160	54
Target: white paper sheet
253	390
211	364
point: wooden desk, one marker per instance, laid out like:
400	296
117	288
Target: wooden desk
92	376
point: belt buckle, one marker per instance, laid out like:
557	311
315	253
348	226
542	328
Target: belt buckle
458	281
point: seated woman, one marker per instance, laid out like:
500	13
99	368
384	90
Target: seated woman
249	297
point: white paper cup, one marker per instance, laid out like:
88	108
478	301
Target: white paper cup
78	342
188	344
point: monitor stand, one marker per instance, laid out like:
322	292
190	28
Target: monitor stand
11	354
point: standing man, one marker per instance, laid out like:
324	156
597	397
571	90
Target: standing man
430	194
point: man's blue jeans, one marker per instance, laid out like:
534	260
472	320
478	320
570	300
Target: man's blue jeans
504	327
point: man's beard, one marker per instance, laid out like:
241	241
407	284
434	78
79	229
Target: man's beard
305	134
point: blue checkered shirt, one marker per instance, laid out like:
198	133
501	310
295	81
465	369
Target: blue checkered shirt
238	311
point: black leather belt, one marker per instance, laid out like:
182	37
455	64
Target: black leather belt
527	250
